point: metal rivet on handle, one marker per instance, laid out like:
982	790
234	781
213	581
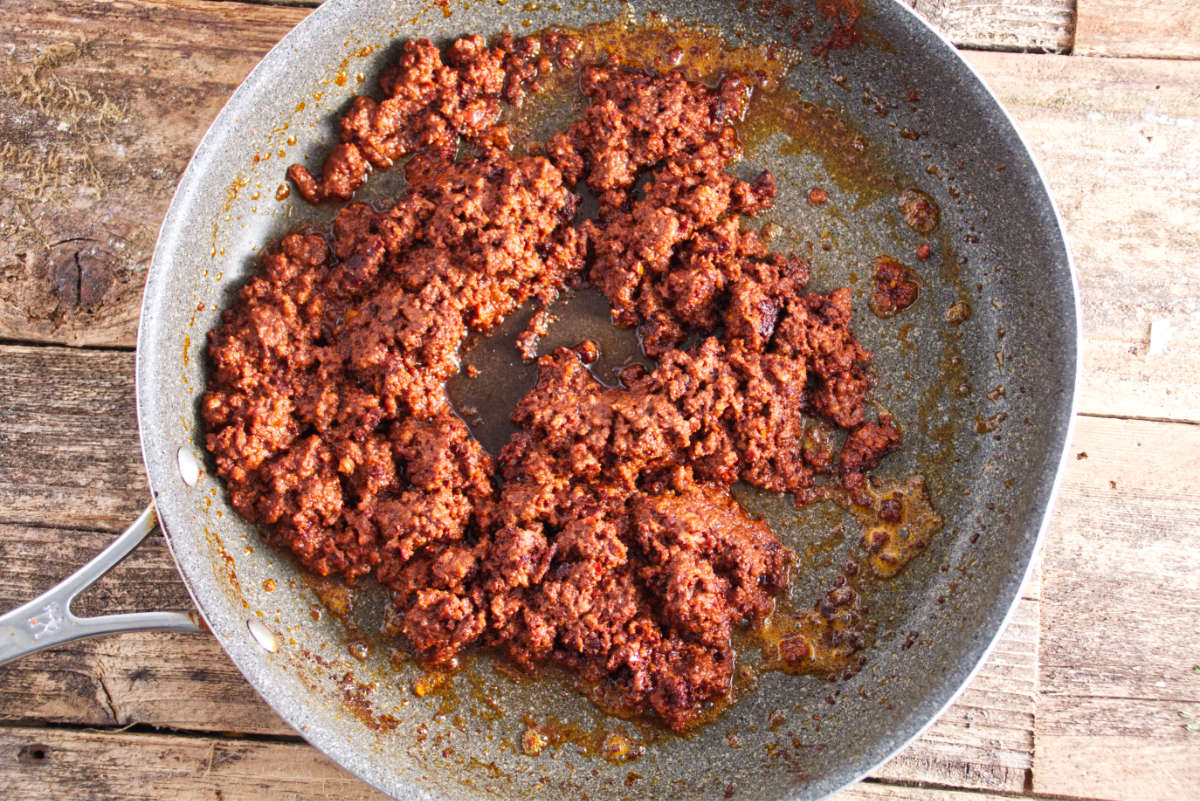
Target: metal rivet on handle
263	636
189	466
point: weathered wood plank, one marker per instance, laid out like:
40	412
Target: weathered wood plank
1121	597
1046	26
879	791
1163	29
1117	141
101	106
35	558
57	763
68	433
181	682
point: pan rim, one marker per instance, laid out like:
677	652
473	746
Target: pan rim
250	660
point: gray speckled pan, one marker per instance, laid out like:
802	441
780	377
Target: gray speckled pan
986	407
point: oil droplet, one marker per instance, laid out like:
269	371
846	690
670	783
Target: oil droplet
425	684
282	192
360	650
533	740
959	312
618	748
269	585
897	525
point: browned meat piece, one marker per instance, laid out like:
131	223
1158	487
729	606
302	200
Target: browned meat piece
869	443
818	447
429	102
894	287
636	120
919	211
527	340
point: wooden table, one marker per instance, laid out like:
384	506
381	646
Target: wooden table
1093	692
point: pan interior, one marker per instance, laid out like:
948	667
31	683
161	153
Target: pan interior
984	405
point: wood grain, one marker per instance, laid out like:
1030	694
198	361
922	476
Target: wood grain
101	106
1117	141
177	682
63	763
68	432
1121	601
1046	26
56	763
1162	29
880	791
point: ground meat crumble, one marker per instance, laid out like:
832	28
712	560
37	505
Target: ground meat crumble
894	287
603	537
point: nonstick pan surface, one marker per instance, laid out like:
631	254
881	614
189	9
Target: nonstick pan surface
986	407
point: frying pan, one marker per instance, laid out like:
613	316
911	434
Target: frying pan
986	405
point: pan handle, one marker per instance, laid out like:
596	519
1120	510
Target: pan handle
47	620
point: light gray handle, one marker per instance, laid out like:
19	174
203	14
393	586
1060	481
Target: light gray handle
47	620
